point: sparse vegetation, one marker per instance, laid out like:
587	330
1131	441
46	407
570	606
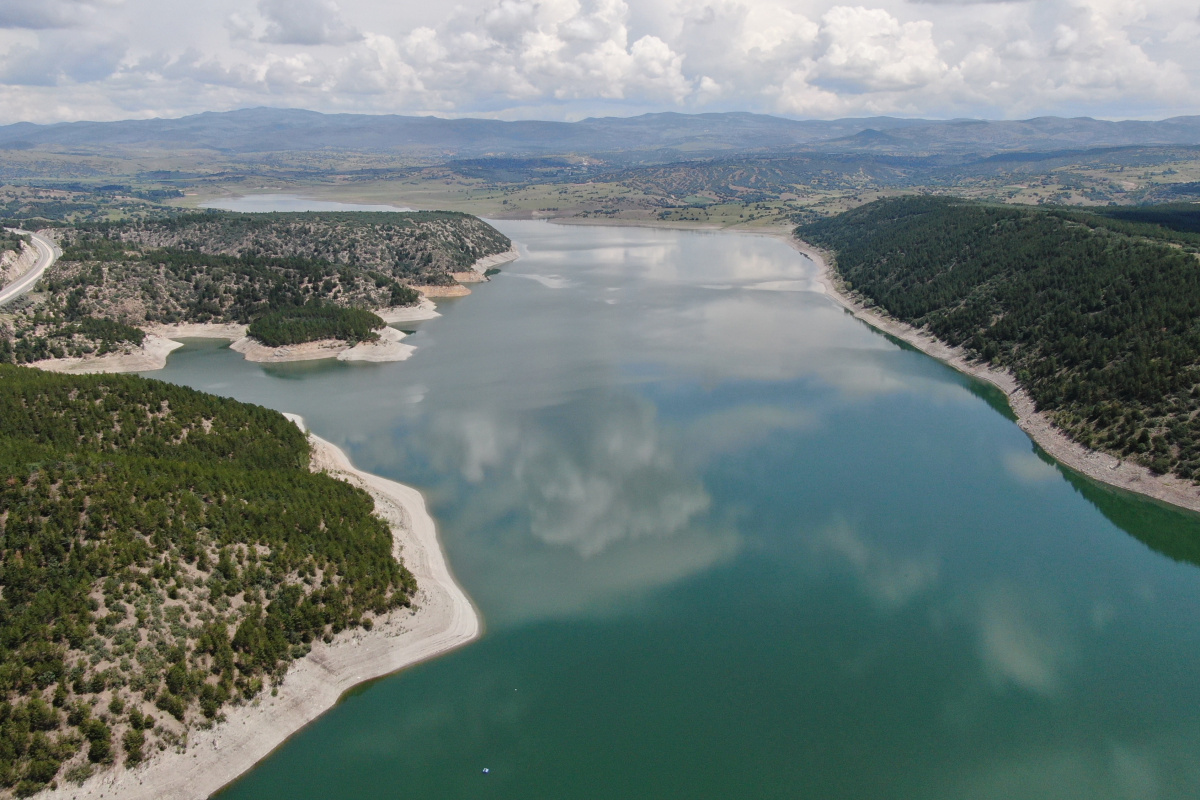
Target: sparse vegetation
225	267
33	207
416	247
10	242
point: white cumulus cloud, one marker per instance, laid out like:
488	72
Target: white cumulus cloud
567	58
48	14
307	22
867	50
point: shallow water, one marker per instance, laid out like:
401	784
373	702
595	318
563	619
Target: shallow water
731	543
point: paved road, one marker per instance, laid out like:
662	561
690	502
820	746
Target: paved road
47	253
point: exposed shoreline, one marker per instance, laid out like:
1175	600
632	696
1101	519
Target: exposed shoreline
150	356
426	309
444	619
1094	464
482	265
704	227
476	274
389	347
162	340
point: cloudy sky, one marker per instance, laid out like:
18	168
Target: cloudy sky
567	59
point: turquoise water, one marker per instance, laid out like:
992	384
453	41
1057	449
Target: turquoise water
729	542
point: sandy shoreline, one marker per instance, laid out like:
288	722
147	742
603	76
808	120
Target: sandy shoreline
387	348
1092	463
200	330
426	309
482	265
443	619
476	274
161	340
150	356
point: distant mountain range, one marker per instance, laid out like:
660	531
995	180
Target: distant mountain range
646	138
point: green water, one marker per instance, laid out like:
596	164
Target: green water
731	543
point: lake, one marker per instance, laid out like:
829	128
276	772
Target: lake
276	201
730	542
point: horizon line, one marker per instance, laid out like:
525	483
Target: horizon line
468	117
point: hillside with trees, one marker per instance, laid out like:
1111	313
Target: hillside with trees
229	267
420	247
163	553
1096	313
64	202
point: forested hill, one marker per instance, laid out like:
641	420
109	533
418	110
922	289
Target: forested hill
229	267
1097	314
163	553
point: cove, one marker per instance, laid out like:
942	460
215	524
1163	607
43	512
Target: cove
728	541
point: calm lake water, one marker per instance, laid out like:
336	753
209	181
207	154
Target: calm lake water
257	203
729	542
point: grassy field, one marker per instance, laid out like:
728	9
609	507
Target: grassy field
593	201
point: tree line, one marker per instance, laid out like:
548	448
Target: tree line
312	322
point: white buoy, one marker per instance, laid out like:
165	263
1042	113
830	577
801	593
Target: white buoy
486	770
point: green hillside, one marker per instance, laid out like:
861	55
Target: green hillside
163	553
1097	314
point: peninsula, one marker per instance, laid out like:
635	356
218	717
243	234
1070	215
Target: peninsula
281	287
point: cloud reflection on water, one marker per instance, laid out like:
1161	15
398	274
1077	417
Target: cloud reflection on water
1023	640
589	474
574	493
1150	766
892	580
1028	468
567	462
570	508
